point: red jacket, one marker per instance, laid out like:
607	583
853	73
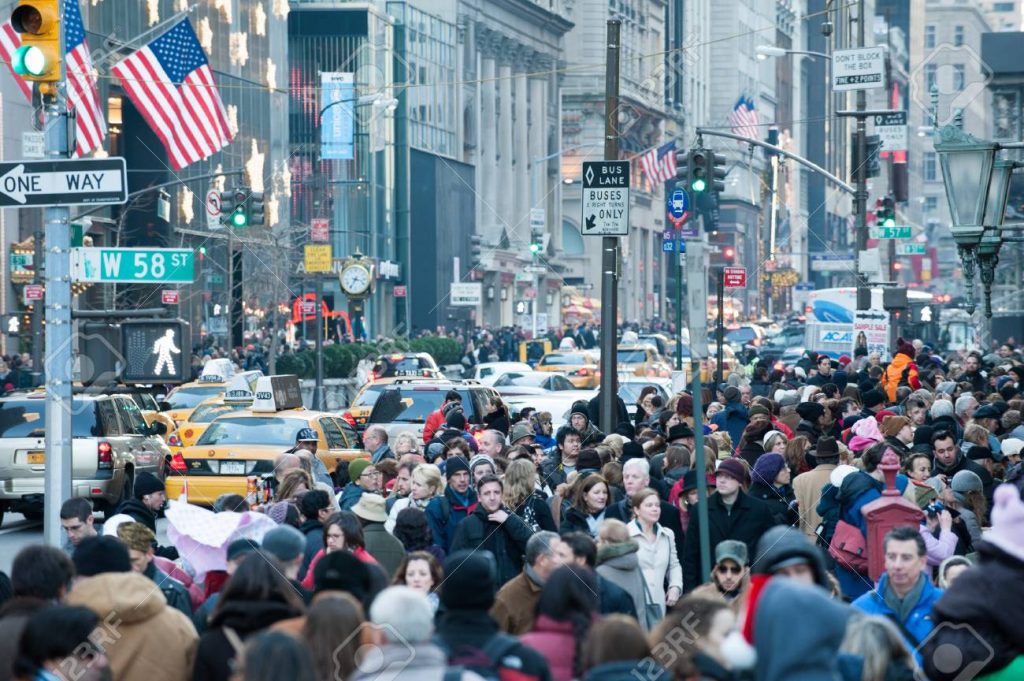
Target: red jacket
434	421
556	642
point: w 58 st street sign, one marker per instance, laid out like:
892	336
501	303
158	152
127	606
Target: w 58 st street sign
133	265
63	183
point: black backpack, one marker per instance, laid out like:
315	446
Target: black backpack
486	661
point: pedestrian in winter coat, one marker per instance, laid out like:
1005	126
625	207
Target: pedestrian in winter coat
734	418
905	593
140	541
807	487
492	527
148	500
811	425
315	507
256	596
402	638
567	608
444	513
615	647
590	502
636	476
973	615
730	576
771	478
388	551
618	561
515	606
902	370
154	641
731	515
658	560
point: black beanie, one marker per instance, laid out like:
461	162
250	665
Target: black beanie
873	398
342	571
147	483
455	464
456	420
588	460
97	555
631	450
470	581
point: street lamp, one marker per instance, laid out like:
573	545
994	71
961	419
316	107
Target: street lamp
992	238
967	166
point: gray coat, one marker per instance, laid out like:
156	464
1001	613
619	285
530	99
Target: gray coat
421	662
387	550
620	564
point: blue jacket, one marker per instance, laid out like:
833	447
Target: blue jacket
349	496
919	623
733	419
444	513
858	490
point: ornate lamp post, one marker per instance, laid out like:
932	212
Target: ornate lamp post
992	238
967	168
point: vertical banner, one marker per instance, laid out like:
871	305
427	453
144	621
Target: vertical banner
337	91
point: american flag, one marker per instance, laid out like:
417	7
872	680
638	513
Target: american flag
659	163
90	126
743	118
171	84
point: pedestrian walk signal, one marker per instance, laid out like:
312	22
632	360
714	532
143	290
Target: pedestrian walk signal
156	351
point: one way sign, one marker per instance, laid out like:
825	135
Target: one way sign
63	183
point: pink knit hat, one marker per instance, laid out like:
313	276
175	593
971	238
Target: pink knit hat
1007	521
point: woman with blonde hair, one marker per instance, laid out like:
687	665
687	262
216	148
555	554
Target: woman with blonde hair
658	559
426	484
294	483
406	443
520	495
880	645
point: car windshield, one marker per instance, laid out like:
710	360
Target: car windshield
412	405
187	398
27	418
630	392
368	397
631	356
253	430
563	360
741	335
208	412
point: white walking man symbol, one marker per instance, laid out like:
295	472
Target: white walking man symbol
163	348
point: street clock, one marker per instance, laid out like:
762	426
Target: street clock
356	277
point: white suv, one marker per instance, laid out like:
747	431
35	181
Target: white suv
111	444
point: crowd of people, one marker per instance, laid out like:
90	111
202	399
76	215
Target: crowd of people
522	553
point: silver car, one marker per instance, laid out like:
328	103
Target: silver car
111	444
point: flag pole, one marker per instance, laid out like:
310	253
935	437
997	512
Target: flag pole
115	46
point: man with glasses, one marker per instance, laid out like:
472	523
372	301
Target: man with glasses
729	580
365	478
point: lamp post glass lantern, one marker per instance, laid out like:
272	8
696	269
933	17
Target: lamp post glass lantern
992	239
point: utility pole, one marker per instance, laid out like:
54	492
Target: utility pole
37	310
318	391
696	301
861	195
610	244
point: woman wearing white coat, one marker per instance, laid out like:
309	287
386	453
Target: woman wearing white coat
426	484
658	559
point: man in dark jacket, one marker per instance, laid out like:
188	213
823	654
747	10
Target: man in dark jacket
594	409
949	460
388	551
731	515
315	507
149	499
444	513
827	375
734	418
614	599
469	636
491	527
562	461
636	475
811	416
140	542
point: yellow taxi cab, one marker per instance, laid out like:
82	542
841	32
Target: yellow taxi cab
641	360
241	446
212	382
581	368
237	396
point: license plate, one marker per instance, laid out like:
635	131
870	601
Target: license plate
37	458
232	468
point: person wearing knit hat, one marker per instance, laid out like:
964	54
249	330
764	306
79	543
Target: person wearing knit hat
969	501
775	441
464	621
864	434
759	412
732	514
365	478
148	500
445	512
481	465
99	555
1011	448
734	417
923	440
974	616
874	400
813	420
519	434
898	433
771	479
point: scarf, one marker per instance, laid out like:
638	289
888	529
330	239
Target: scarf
903	607
532	575
594	522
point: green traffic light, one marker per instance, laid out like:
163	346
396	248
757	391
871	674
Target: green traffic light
534	248
29	61
699	185
889	222
238	218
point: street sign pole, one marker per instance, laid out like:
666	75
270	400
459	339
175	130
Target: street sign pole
610	244
696	297
58	363
678	255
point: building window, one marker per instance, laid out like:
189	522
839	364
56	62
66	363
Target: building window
930	71
958	36
930	173
958	77
929	37
1002	6
931	204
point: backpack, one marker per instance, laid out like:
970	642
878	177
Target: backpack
486	661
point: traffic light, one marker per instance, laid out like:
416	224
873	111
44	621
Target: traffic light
885	213
536	241
718	172
729	252
39	57
697	165
234	209
257	209
475	247
873	164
